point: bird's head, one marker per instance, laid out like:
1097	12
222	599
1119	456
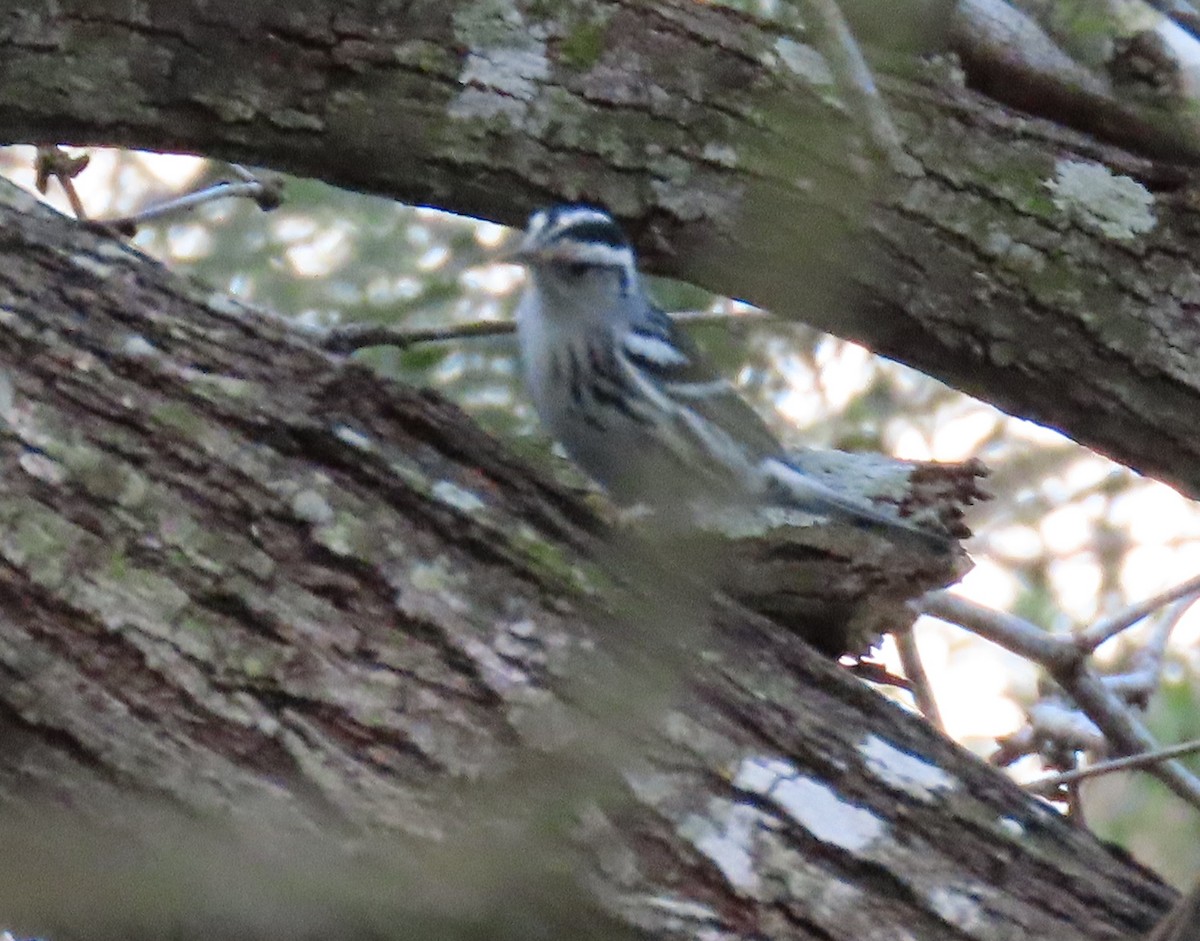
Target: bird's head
576	247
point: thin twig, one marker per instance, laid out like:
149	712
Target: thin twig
1096	634
1050	784
54	162
1137	685
242	173
1067	664
346	338
188	201
914	670
1075	806
847	57
267	193
1124	730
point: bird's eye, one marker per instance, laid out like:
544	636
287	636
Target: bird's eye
576	269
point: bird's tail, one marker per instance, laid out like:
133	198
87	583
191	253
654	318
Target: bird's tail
790	486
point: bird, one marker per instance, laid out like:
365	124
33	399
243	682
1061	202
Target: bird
632	400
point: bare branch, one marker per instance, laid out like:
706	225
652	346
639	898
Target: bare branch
1007	630
1051	783
243	173
857	73
1124	730
267	193
346	338
1096	634
914	670
1067	664
1137	685
54	162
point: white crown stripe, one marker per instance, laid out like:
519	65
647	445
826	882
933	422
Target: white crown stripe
570	218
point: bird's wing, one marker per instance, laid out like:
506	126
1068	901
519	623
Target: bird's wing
666	355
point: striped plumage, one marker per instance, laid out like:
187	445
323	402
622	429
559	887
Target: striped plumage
628	395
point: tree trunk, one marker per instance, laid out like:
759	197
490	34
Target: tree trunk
291	651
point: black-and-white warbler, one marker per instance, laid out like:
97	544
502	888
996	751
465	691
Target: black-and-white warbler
628	396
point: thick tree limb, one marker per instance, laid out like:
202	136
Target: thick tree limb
1004	263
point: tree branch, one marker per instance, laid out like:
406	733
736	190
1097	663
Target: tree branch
1066	661
345	338
709	134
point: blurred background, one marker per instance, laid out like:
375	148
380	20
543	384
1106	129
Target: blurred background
1070	536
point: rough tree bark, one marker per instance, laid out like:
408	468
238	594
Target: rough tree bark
267	615
729	145
298	611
